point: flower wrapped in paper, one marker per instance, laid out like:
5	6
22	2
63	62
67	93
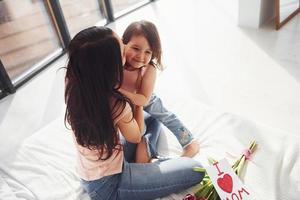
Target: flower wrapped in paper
205	189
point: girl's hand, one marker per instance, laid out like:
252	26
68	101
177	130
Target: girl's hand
145	90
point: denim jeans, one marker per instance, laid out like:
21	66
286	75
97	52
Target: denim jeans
145	181
156	109
151	135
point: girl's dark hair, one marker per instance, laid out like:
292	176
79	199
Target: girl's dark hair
94	75
149	31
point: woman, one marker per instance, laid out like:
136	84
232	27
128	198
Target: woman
108	132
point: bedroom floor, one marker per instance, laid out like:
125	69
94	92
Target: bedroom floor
254	73
251	72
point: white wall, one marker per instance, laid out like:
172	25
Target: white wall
254	13
267	11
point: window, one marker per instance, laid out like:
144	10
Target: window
35	32
80	14
27	35
121	7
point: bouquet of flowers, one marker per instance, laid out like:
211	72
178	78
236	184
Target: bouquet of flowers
205	189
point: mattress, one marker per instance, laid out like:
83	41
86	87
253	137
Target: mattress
43	166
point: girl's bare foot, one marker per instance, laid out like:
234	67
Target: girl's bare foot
153	160
191	150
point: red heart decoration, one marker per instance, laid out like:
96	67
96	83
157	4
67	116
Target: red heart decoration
225	183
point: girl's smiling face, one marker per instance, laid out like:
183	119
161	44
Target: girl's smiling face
138	52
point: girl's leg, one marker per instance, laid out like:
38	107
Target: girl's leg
141	154
147	148
191	149
129	149
156	109
159	179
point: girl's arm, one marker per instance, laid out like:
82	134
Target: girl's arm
132	128
142	97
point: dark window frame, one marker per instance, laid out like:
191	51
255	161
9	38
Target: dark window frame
8	86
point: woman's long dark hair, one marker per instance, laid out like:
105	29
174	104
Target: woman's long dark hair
149	31
94	75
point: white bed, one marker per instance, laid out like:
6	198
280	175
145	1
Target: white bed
228	71
43	166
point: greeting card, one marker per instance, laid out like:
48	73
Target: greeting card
227	183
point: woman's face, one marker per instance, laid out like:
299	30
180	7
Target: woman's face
138	52
122	48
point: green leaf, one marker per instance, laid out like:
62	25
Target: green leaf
211	161
199	169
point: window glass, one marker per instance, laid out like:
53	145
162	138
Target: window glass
27	35
1	86
80	14
121	5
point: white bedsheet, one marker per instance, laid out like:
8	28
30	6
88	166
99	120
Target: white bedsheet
43	166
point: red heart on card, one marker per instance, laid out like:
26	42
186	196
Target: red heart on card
225	183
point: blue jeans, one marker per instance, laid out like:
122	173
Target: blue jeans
151	135
145	181
156	109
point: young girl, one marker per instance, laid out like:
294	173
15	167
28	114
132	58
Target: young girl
143	58
100	116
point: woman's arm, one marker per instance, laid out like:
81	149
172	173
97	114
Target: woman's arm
132	128
142	97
